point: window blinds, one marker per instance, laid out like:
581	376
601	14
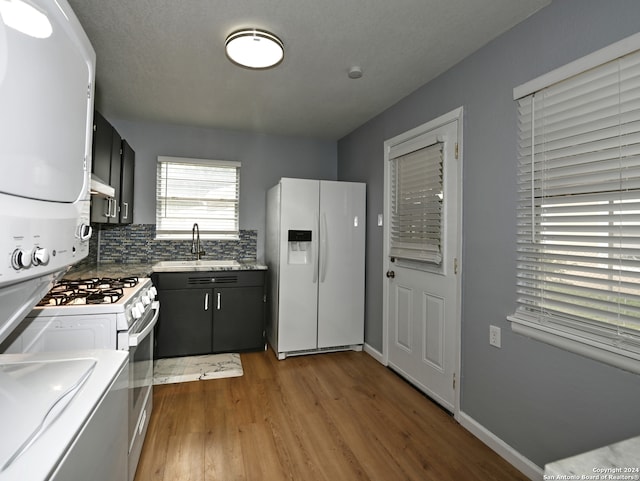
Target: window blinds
190	191
416	205
579	206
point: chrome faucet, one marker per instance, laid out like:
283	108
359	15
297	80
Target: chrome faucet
195	242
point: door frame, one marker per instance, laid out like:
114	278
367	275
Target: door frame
454	115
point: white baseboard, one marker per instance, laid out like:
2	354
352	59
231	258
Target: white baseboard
513	457
377	355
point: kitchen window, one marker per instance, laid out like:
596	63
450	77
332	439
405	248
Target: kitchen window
199	191
578	270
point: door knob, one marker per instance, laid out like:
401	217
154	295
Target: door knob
391	274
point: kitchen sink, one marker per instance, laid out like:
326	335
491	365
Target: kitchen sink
194	265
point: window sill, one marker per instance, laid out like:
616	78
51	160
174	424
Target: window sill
578	345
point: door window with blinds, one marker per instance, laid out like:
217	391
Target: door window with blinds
578	270
199	191
416	204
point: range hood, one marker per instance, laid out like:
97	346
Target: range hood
100	188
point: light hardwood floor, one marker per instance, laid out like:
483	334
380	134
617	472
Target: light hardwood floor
326	417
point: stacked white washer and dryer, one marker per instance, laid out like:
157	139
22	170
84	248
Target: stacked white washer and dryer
57	409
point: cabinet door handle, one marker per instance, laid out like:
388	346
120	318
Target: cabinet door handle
206	301
107	213
112	207
218	301
126	210
114	214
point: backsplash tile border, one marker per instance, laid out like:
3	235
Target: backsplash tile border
136	243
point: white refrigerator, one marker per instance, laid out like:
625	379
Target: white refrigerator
315	246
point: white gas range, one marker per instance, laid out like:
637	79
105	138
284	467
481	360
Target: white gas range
100	313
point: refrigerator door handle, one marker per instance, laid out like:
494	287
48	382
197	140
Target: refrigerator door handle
315	246
324	248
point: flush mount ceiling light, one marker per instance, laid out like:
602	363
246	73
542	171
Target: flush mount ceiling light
254	48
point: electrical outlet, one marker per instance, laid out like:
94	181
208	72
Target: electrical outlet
494	336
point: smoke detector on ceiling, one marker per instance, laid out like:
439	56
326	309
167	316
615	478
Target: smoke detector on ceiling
355	72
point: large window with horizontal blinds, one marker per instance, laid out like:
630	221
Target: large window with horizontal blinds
416	204
199	191
578	240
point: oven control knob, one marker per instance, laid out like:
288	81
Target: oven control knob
140	307
153	292
40	256
145	300
21	259
136	311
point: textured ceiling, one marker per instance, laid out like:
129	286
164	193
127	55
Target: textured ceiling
164	61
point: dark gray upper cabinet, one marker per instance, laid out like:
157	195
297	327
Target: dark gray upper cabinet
128	159
114	177
114	163
101	165
101	148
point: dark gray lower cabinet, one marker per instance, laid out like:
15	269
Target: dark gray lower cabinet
238	319
184	327
210	312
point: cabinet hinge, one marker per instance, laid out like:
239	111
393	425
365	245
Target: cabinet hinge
264	298
89	90
455	265
456	153
454	381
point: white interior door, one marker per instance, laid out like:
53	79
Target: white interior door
421	297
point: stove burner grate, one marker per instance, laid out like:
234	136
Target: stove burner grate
88	291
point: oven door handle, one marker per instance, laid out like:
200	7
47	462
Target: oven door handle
138	336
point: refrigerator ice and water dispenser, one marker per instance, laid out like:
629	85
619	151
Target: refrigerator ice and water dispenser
299	247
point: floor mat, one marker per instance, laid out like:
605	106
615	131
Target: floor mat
196	368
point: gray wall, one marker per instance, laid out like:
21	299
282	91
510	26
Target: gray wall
544	402
265	159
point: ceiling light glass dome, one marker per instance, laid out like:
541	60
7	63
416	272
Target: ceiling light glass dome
256	49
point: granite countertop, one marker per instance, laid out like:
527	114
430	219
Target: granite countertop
112	270
619	461
115	270
207	265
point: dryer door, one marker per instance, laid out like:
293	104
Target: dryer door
46	94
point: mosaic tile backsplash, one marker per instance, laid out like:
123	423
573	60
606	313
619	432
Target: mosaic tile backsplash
137	243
